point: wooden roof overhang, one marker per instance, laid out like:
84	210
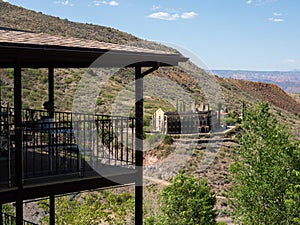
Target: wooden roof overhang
38	50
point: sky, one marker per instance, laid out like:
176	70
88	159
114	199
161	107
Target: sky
223	34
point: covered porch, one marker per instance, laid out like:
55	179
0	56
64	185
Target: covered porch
46	152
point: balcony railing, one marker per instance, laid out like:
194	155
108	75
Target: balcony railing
65	144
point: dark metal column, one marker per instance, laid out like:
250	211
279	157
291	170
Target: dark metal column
50	108
52	209
18	144
51	90
139	104
1	215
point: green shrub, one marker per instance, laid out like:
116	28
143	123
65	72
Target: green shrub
103	207
68	80
99	101
232	118
168	139
187	201
293	199
221	223
146	120
8	209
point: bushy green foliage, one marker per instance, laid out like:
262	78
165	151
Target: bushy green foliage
168	140
262	170
232	118
293	199
94	208
187	201
8	209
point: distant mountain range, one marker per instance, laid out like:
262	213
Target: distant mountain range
289	81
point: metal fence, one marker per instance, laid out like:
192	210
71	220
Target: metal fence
65	143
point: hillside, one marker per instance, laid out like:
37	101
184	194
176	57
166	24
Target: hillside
19	18
284	107
295	96
262	91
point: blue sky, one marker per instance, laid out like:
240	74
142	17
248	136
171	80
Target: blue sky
224	34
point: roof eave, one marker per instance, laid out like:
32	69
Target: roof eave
35	56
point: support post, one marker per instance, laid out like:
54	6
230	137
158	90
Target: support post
139	104
1	215
18	144
52	209
50	108
51	91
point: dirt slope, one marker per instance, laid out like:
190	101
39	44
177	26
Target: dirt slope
259	91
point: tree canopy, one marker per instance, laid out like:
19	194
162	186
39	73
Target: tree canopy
187	201
263	169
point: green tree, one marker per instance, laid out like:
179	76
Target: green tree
187	201
262	170
293	199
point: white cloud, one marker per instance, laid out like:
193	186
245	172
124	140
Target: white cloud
174	16
64	3
164	16
188	15
110	3
113	3
259	2
155	7
290	61
276	20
